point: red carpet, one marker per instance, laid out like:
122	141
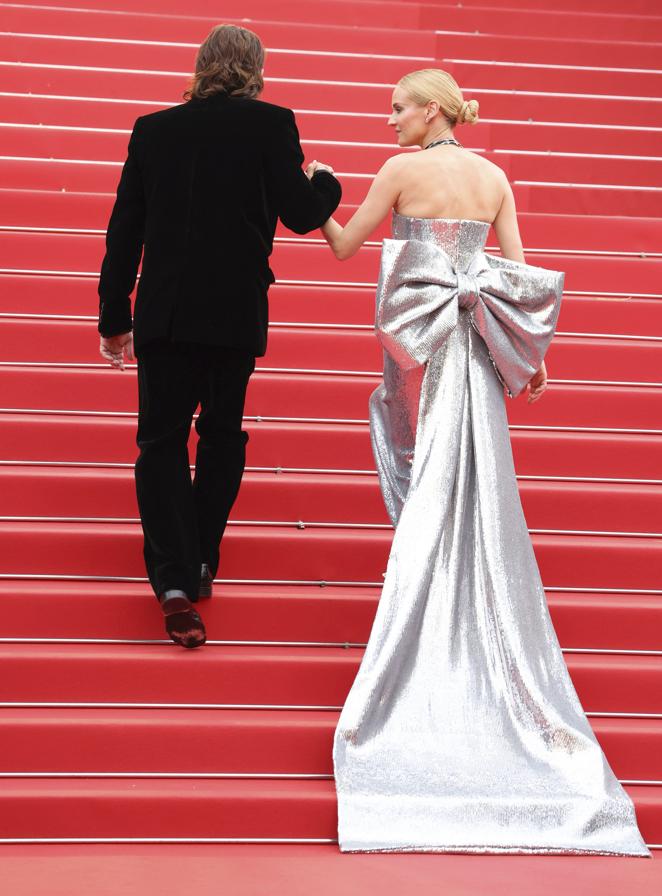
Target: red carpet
249	870
109	731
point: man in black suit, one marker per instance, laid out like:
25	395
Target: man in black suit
199	197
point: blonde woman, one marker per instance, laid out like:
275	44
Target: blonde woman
462	731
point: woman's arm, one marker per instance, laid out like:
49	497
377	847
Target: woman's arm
506	227
382	196
507	232
510	242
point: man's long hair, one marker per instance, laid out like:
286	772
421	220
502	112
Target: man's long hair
230	60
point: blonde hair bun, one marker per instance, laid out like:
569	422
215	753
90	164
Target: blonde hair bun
436	84
468	113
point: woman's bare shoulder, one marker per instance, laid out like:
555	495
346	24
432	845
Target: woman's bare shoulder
407	164
399	161
391	170
489	165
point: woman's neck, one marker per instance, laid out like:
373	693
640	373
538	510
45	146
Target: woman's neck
432	137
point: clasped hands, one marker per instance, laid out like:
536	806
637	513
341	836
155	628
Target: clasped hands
317	166
113	348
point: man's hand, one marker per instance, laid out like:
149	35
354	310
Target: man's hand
113	349
317	166
537	384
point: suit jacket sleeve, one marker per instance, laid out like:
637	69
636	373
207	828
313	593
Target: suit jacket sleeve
303	204
124	245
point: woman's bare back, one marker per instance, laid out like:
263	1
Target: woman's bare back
453	182
450	182
443	182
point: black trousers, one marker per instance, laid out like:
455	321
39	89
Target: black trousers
183	521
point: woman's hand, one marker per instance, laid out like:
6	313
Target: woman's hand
537	384
113	348
317	166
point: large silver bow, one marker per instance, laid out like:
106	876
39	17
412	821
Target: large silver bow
514	307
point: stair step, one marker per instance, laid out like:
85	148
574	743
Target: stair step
53	110
48	438
314	261
167	89
639	7
346	305
354	159
318	8
39	491
234	742
336	397
194	741
285	613
160	57
265	676
279	553
512	77
323	497
236	675
542	23
294	613
329	305
560	198
491	18
575	199
291	64
291	866
44	208
112	439
398	41
279	34
338	12
76	342
98	807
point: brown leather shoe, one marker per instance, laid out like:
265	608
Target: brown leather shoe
183	624
206	582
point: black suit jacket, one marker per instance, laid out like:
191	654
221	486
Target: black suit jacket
201	190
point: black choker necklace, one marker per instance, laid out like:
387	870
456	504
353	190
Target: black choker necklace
439	142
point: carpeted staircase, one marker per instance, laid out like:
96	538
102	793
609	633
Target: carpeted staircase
111	733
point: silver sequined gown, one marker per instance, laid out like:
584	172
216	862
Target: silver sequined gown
462	731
